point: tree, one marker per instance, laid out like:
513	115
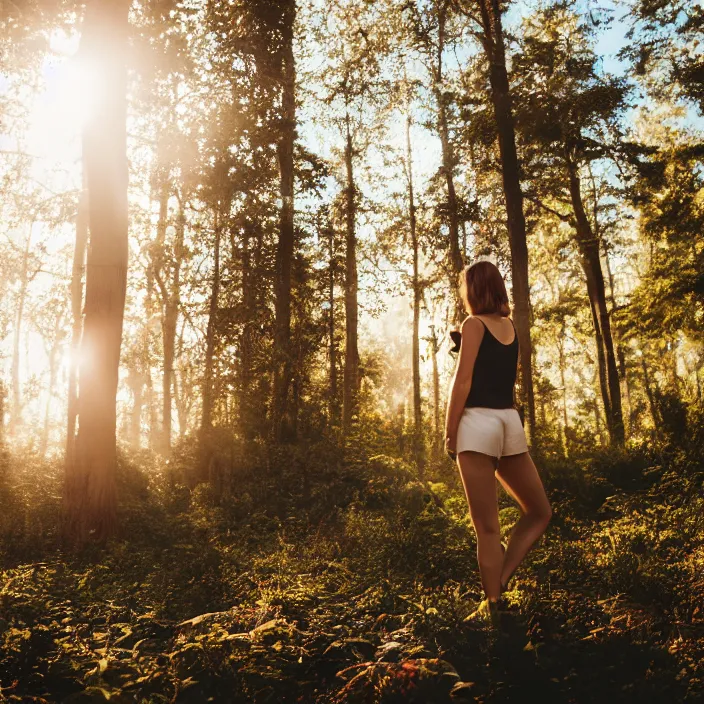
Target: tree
664	41
206	423
91	501
664	312
284	67
418	445
486	16
434	32
77	273
351	85
569	119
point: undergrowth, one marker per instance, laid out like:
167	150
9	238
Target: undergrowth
352	586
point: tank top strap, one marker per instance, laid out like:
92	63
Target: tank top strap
515	334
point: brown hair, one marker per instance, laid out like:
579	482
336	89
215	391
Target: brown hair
483	289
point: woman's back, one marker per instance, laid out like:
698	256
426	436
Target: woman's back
494	374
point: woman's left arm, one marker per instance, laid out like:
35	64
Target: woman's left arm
472	333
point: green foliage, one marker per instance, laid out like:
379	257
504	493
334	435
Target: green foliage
358	589
31	506
665	41
670	298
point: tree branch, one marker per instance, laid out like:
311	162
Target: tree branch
565	218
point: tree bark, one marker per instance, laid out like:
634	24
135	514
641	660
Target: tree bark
248	413
493	41
79	260
601	359
588	245
652	405
182	405
437	442
282	421
172	306
3	396
158	265
53	353
149	309
151	410
90	479
563	381
332	346
456	261
210	335
351	374
136	384
418	449
16	408
595	407
620	354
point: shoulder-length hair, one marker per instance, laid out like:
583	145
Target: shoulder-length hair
483	290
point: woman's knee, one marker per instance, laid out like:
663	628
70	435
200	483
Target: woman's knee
542	515
486	531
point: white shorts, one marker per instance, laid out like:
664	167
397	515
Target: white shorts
492	431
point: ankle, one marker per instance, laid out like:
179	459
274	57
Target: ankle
505	582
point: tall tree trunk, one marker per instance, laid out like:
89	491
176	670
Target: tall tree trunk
282	424
297	382
437	438
247	412
401	412
589	249
456	261
182	404
172	306
90	479
169	335
620	354
149	309
332	346
418	449
597	418
136	383
652	405
53	353
493	41
563	381
3	396
601	359
151	410
259	383
206	423
351	375
158	268
16	408
79	260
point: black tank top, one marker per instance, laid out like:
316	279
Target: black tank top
494	374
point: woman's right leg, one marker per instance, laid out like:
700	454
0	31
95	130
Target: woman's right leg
520	478
477	472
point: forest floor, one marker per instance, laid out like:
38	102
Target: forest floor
355	591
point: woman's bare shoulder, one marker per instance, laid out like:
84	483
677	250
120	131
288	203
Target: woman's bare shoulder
472	325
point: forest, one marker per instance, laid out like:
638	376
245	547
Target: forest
230	240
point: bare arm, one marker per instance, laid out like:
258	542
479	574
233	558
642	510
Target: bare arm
472	333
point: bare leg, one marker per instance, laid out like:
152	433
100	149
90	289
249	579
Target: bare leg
477	471
520	478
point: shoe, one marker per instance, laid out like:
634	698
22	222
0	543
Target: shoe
486	614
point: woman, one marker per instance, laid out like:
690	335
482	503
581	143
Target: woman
484	431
